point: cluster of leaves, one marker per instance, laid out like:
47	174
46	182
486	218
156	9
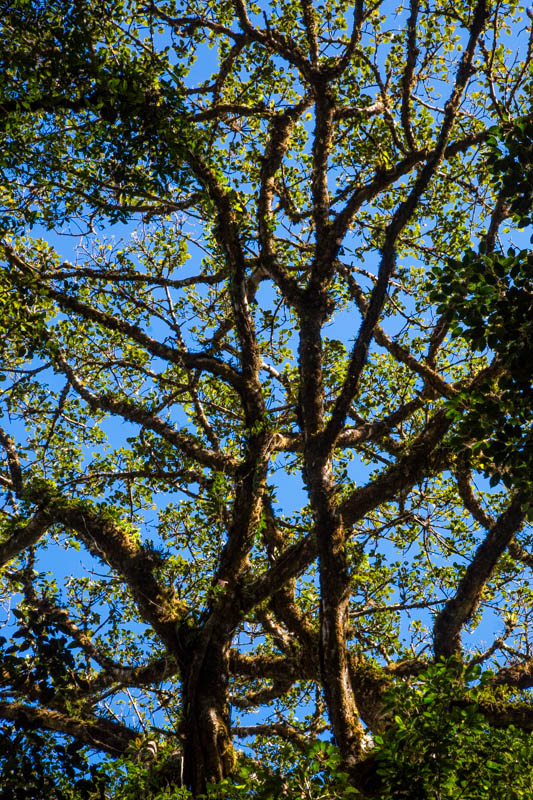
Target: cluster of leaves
50	666
26	313
35	765
121	96
150	770
510	158
441	747
487	298
315	773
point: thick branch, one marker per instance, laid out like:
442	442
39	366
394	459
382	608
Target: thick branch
458	610
23	536
278	142
519	676
423	458
408	74
283	730
102	734
112	542
273	39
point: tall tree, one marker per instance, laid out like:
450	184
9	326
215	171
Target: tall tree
274	414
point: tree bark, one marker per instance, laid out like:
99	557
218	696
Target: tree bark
208	751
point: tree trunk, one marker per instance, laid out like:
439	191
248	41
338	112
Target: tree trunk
208	750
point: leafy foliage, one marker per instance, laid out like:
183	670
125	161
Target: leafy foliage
510	158
441	746
487	297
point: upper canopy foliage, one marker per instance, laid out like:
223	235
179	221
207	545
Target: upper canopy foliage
267	441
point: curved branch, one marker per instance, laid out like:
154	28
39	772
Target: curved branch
134	413
102	734
182	357
283	730
458	610
112	542
519	676
23	536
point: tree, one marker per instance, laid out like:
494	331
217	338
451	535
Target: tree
297	467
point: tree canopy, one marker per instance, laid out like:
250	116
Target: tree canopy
266	448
